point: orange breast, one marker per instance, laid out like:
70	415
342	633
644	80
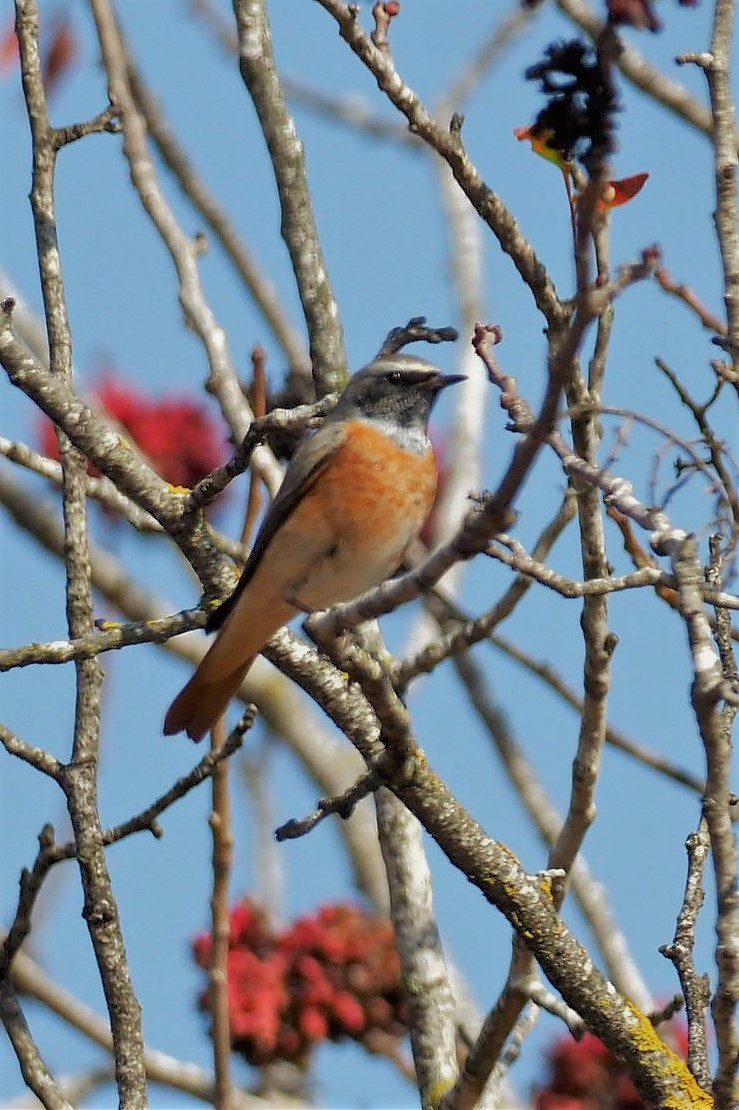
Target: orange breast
378	494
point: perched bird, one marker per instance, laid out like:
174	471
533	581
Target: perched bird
355	495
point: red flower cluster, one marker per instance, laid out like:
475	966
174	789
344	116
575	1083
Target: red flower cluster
583	1075
639	13
328	976
178	437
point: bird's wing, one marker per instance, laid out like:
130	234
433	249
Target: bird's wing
309	461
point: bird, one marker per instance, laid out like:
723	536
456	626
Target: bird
355	495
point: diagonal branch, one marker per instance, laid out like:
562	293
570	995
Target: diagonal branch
709	686
79	778
448	144
29	978
35	1072
194	188
257	63
222	380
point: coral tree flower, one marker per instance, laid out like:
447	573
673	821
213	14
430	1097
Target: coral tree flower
175	433
332	975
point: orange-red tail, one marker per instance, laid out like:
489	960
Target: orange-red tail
200	703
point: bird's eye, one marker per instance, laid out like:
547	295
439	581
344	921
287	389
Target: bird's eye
395	377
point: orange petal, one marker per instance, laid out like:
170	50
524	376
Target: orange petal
619	192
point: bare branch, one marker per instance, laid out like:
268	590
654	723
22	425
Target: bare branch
717	67
43	761
449	145
503	32
222	379
696	988
708	687
222	861
687	295
278	420
100	489
424	972
415	331
518	559
107	120
194	188
30	979
330	370
111	637
471	631
78	778
614	736
352	111
588	892
342	805
35	1072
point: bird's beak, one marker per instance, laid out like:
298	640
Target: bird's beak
440	381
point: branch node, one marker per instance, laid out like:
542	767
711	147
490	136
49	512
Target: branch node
456	124
383	14
415	331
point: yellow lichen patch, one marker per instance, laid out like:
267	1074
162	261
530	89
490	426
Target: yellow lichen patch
422	763
689	1094
108	626
435	1092
545	885
179	489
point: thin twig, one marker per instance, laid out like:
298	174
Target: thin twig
696	988
258	398
449	145
476	67
222	858
100	489
689	297
415	331
194	188
33	1069
546	672
342	805
278	420
111	636
42	760
180	1075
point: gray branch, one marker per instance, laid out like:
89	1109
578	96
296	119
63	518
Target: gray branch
330	370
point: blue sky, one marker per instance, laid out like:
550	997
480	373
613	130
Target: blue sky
379	215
